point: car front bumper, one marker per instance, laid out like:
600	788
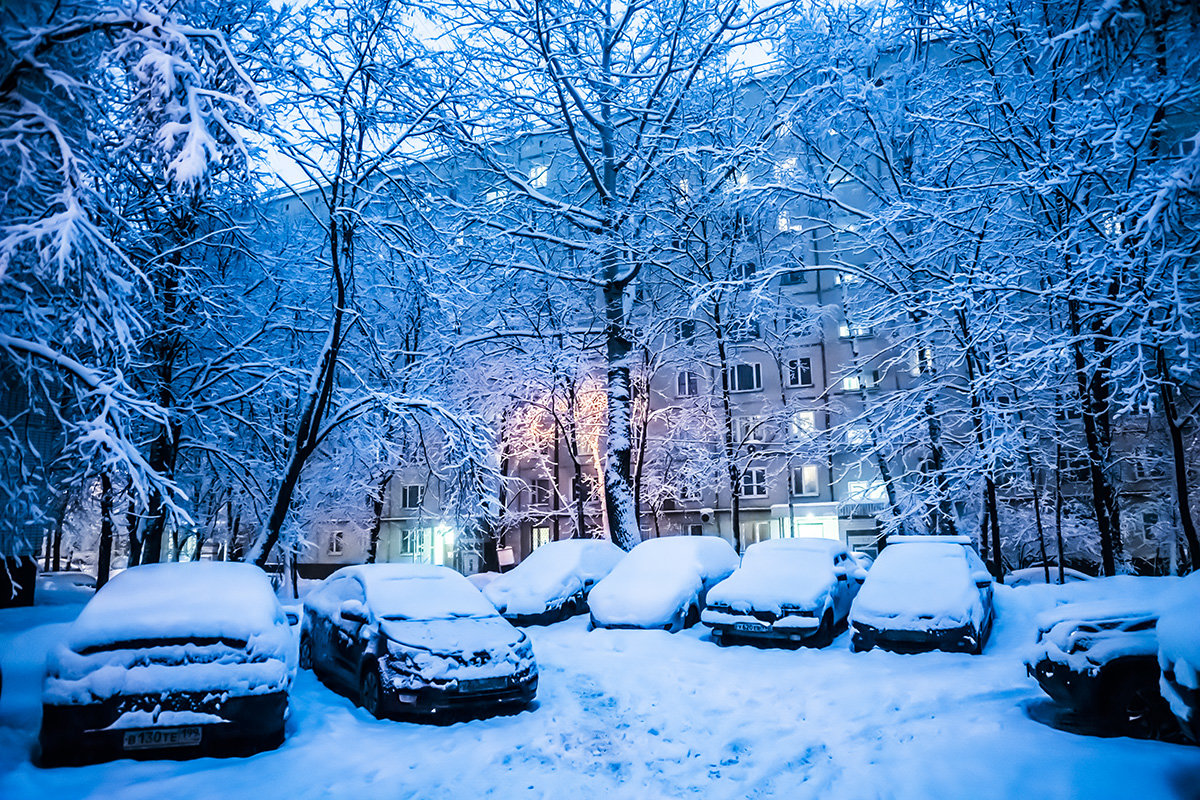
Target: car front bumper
761	627
1072	688
435	701
960	639
84	734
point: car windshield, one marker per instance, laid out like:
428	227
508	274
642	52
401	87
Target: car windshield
425	598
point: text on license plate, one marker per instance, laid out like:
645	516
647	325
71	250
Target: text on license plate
162	737
482	684
748	626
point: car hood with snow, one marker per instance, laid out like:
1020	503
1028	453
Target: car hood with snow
1085	636
203	626
659	579
552	574
921	583
796	573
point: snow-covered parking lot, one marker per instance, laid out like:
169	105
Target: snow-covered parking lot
648	714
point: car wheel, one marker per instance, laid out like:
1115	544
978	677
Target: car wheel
306	661
692	616
858	644
825	634
718	638
370	692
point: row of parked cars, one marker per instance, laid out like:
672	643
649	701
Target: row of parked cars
199	658
923	592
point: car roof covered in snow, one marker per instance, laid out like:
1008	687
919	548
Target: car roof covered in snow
779	572
179	600
416	591
926	582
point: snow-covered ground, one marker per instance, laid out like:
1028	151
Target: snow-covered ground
647	714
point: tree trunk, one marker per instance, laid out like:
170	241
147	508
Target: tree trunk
376	521
104	555
1178	463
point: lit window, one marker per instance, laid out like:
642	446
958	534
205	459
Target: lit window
851	383
804	423
538	536
745	377
754	483
539	175
685	187
782	223
858	436
855	331
495	196
805	482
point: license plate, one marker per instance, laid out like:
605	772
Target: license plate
482	684
162	737
749	627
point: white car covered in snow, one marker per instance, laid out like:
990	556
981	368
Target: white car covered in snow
1179	653
662	583
553	581
170	659
924	592
415	640
785	591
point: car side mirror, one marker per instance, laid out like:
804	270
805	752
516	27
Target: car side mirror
860	574
839	572
353	611
293	618
982	579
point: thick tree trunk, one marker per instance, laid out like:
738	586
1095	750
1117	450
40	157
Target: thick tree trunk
618	489
376	521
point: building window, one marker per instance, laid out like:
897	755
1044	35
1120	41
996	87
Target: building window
754	483
538	536
804	424
858	436
745	270
539	175
749	429
922	361
744	330
745	378
1149	520
695	529
799	372
851	383
687	383
793	277
782	223
855	331
539	492
411	496
866	491
685	330
805	482
337	543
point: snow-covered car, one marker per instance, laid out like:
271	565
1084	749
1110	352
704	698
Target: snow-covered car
785	591
1035	575
924	592
176	660
1179	653
662	583
863	560
553	581
1099	658
415	640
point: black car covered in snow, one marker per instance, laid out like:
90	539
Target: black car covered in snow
415	640
170	660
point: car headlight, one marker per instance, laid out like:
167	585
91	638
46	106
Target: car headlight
523	649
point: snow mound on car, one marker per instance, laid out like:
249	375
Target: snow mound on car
780	572
211	599
919	585
552	573
658	578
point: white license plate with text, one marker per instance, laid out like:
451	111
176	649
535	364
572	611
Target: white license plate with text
146	738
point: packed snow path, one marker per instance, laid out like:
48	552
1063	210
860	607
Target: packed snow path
647	714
